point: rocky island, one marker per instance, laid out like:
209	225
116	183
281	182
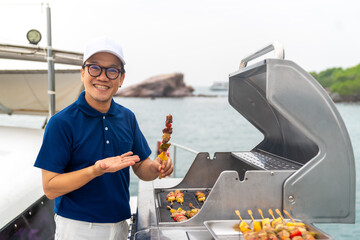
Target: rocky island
165	85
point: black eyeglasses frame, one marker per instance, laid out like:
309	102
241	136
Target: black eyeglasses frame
121	71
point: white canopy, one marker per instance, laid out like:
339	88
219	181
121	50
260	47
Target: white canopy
25	91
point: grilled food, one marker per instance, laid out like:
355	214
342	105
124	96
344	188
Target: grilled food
164	146
200	196
179	196
276	229
170	197
177	214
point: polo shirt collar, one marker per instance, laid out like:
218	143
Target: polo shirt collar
88	110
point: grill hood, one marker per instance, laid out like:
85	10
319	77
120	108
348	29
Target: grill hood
300	123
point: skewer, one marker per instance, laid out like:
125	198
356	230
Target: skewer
238	214
244	227
170	197
192	206
170	208
261	214
257	225
250	213
265	221
271	213
287	213
279	213
167	131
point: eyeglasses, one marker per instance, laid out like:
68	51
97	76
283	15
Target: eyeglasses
110	72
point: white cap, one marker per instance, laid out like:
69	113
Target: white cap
103	44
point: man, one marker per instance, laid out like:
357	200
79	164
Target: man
87	150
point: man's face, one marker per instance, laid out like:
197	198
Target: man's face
100	90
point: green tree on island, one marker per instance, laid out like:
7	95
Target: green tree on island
345	82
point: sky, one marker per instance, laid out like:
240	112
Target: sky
203	39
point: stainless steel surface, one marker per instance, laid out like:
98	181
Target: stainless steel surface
301	123
224	229
259	189
266	161
204	171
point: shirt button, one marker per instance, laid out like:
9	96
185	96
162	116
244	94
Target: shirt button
103	117
107	141
106	128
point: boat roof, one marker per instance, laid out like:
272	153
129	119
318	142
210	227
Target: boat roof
39	54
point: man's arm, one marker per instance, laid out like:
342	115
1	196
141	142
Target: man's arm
148	170
58	184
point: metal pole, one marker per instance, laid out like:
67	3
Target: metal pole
50	60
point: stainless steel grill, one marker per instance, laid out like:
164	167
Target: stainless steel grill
305	163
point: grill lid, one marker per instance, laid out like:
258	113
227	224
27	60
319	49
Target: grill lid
300	123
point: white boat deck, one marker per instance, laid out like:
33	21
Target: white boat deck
20	182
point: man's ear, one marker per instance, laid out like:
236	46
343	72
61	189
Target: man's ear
122	79
82	74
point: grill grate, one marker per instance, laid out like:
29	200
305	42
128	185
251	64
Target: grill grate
265	162
189	197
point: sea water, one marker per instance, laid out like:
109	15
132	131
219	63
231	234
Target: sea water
210	124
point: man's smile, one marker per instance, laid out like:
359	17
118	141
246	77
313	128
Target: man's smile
101	87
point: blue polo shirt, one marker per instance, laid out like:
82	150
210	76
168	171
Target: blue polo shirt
78	136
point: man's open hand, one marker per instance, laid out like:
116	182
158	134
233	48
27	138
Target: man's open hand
114	164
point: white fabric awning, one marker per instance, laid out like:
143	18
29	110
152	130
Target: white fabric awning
26	91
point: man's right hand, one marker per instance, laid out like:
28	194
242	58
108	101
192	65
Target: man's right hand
114	164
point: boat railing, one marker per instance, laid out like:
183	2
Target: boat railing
175	147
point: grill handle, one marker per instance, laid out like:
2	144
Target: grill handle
276	46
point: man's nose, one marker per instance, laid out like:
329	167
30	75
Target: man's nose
103	76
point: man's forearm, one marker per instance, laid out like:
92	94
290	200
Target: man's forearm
145	171
56	185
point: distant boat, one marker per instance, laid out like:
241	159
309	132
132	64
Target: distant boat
220	86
